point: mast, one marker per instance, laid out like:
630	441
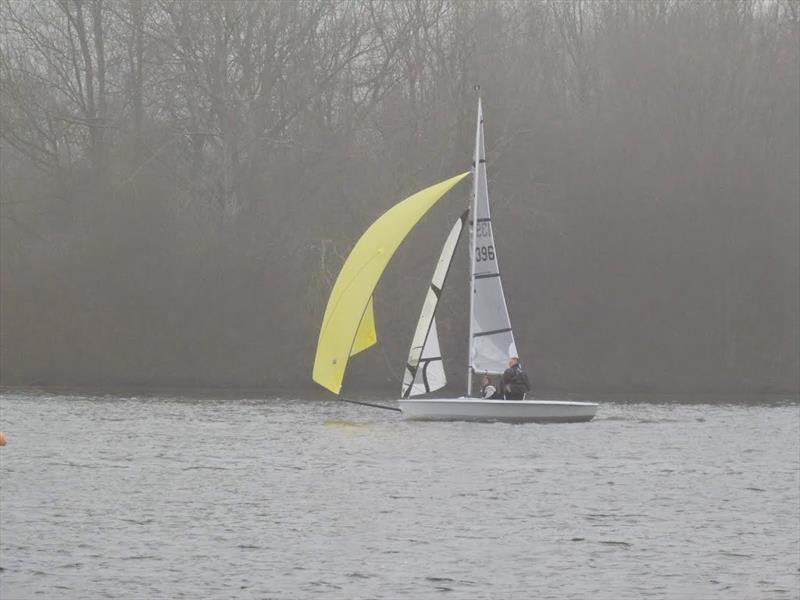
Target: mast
473	241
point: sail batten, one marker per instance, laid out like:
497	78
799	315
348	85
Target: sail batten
424	371
348	324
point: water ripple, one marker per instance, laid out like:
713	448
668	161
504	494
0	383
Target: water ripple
175	497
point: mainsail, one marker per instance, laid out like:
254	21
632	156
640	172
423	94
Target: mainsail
348	325
424	370
491	339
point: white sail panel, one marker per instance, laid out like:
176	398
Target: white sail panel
429	374
492	340
424	370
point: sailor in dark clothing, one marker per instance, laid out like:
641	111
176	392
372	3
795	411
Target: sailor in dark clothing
515	381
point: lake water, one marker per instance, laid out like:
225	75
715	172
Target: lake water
200	498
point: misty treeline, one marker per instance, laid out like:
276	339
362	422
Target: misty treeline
181	181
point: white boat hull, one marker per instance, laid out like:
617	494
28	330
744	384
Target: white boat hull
514	411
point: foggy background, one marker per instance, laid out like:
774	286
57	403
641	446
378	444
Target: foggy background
180	182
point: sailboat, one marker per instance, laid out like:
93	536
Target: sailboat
348	326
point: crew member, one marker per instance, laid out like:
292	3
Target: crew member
515	381
488	391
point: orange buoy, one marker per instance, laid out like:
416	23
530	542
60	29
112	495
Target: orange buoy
2	439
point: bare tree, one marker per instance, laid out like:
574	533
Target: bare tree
184	174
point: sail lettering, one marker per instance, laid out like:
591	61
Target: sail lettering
484	253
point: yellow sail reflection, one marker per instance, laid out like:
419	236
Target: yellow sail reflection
349	323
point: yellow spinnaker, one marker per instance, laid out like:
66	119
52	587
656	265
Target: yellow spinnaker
349	325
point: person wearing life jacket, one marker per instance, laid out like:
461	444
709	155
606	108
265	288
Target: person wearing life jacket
515	381
489	391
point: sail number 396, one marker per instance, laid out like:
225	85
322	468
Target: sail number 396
484	253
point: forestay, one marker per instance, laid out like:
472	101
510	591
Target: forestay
424	370
491	338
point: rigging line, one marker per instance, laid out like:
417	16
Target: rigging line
383	406
425	376
389	368
325	322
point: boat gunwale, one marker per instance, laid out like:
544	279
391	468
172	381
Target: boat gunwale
501	402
